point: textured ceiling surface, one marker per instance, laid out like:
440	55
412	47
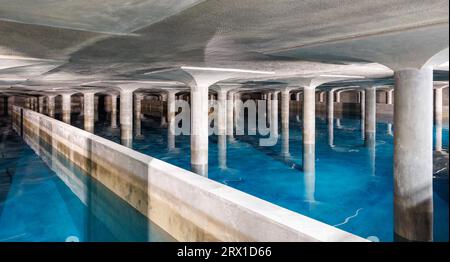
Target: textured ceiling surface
79	41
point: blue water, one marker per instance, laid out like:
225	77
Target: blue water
36	205
352	188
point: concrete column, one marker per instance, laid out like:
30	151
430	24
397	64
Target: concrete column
5	105
413	156
269	108
81	105
230	116
96	108
137	114
107	104
222	111
171	118
199	129
285	99
113	111
163	98
51	106
222	107
321	97
338	96
126	117
363	113
438	118
41	104
330	117
389	96
66	107
88	106
237	108
309	129
297	96
274	115
370	116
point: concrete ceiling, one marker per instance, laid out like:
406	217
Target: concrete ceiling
82	41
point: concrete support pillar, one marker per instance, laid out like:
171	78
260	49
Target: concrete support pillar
199	129
113	111
309	129
51	106
285	99
269	108
330	117
5	105
230	116
321	97
88	106
96	108
363	113
222	112
81	105
389	96
438	119
370	116
171	119
237	108
66	107
126	117
41	104
274	115
137	114
107	104
338	96
297	96
413	156
163	98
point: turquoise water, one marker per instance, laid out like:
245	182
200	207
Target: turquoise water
352	188
36	205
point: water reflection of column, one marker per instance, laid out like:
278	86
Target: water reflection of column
137	114
309	129
389	129
274	114
126	117
171	119
113	111
89	111
338	123
330	117
285	100
51	106
309	181
438	118
66	107
362	104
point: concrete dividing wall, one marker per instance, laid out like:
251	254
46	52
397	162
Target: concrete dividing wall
188	206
